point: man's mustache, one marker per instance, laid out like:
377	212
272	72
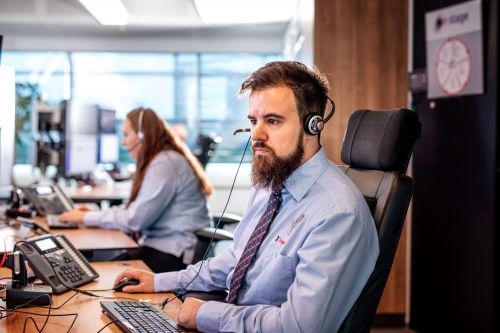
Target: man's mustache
260	144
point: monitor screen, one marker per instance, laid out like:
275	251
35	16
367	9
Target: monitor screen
108	148
107	121
81	154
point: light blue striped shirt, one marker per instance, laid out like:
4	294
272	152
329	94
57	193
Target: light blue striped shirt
311	267
168	209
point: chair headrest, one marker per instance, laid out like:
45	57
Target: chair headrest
380	140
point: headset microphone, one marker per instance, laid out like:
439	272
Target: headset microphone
241	130
133	147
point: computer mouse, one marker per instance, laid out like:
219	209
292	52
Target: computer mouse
125	282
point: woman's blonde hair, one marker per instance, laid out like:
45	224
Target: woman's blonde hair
157	137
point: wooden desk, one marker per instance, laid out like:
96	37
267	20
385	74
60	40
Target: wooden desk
117	192
93	239
90	318
83	238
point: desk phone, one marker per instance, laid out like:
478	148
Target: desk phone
72	268
48	199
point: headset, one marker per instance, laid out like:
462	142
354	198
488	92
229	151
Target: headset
314	122
140	134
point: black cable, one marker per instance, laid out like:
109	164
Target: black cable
4	309
48	314
58	307
181	292
96	290
111	322
50	308
27	318
51	315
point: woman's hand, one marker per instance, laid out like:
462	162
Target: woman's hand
83	208
75	215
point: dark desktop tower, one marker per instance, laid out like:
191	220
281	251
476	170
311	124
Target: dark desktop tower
51	144
455	231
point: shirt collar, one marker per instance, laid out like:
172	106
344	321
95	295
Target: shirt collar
303	178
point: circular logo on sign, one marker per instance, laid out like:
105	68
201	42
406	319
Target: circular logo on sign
453	66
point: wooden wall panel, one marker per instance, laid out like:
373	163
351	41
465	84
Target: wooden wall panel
363	46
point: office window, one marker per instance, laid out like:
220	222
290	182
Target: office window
123	81
221	111
196	89
40	76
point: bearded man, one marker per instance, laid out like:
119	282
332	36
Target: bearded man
306	244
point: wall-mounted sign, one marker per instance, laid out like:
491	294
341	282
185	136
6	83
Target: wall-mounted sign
454	50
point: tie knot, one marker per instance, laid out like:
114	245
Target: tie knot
277	192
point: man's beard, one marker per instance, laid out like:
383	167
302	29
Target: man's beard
272	171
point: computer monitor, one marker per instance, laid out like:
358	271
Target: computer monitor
81	118
81	155
109	146
107	121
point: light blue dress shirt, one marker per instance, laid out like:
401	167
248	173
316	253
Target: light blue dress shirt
319	252
168	209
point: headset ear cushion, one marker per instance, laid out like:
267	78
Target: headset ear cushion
140	134
313	124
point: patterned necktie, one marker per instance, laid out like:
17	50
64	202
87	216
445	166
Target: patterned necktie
258	234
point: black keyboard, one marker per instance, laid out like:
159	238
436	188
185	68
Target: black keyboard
139	317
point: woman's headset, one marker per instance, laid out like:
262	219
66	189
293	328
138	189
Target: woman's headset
314	122
140	135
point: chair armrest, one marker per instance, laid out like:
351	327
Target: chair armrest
217	234
228	218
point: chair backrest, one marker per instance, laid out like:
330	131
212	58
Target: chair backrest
206	147
209	236
377	148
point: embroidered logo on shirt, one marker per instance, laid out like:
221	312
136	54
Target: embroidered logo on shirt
294	224
280	240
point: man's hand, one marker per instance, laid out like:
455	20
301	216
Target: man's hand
189	309
146	281
75	215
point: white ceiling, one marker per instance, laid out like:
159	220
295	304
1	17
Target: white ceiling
71	13
177	18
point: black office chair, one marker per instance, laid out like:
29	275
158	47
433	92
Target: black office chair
377	149
206	147
205	235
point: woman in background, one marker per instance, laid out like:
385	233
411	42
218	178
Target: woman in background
168	201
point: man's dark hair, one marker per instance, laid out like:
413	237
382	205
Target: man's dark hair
309	85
